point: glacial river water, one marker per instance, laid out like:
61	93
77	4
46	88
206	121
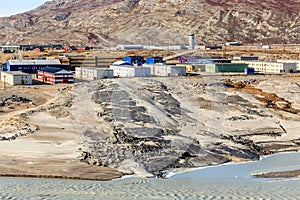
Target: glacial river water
230	181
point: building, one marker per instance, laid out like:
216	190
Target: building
129	47
291	61
31	66
131	71
55	75
16	78
213	47
233	44
10	49
226	68
245	58
250	71
167	70
78	61
198	59
188	67
273	67
92	73
121	63
139	60
212	61
154	60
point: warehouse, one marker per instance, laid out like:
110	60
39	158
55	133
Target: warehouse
92	73
273	67
167	70
31	66
130	71
16	78
226	67
55	75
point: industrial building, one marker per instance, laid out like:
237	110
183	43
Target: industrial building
78	61
92	73
245	58
201	60
129	47
226	67
55	75
131	71
138	60
167	70
16	78
31	66
168	47
154	60
291	61
273	67
188	67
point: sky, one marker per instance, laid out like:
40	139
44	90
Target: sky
11	7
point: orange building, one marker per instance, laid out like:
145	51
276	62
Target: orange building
55	75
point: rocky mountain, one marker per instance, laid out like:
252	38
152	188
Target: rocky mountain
111	22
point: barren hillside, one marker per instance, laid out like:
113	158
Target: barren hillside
111	22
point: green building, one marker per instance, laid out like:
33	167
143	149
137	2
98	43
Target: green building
226	67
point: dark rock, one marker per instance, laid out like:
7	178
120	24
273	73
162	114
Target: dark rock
62	16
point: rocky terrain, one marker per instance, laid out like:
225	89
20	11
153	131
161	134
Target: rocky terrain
151	125
37	135
111	22
103	129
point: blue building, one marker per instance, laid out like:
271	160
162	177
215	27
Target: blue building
139	60
154	60
31	66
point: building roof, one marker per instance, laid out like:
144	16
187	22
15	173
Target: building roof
34	62
16	73
54	70
121	63
128	67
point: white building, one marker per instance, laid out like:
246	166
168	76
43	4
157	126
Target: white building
16	78
131	71
10	47
168	47
92	73
272	67
291	61
130	47
167	70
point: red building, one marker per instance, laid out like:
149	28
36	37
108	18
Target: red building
55	75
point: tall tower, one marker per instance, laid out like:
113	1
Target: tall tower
191	41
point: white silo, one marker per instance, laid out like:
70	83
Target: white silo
191	41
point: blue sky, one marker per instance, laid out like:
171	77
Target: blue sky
10	7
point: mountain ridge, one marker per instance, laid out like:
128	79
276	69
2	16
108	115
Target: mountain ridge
111	22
